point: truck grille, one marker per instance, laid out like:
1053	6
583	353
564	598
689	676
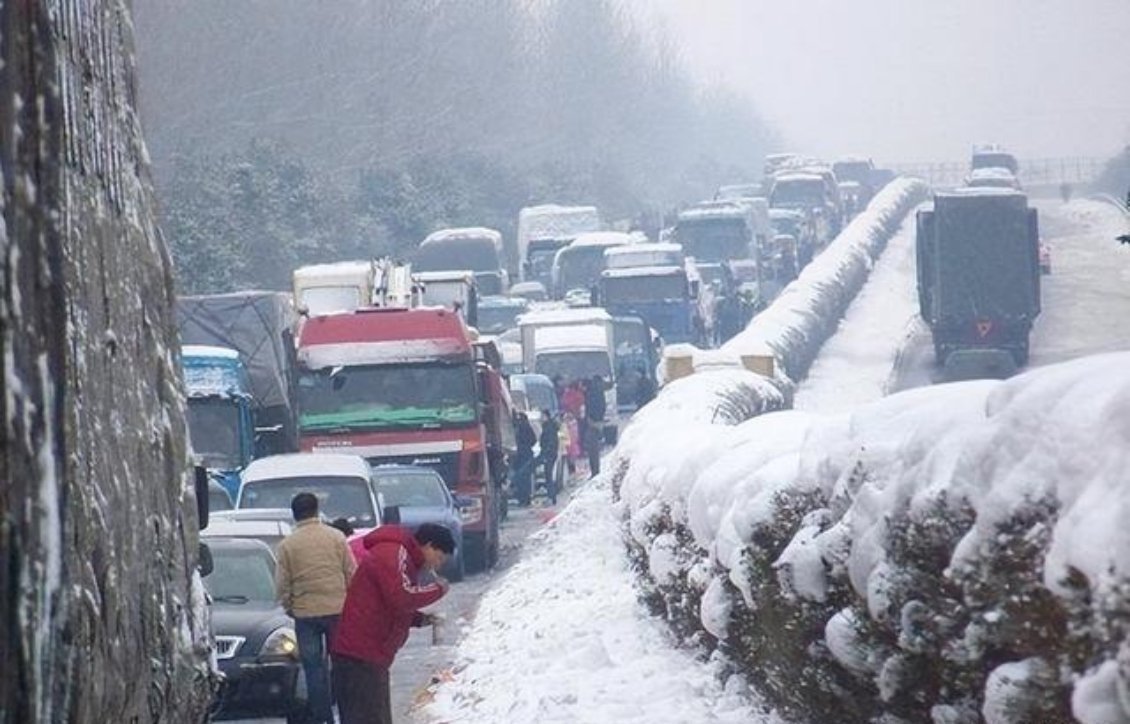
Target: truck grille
228	646
446	464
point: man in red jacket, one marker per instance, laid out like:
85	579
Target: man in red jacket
382	603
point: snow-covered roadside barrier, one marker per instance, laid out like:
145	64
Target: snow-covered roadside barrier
949	554
808	310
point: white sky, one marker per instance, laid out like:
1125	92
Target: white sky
909	80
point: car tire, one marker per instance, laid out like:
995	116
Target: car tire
474	553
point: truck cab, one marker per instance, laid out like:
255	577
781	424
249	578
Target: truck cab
579	265
475	249
328	288
221	425
403	386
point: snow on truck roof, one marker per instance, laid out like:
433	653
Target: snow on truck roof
464	233
632	272
644	248
335	270
556	210
798	177
715	210
603	238
300	465
578	337
382	336
558	317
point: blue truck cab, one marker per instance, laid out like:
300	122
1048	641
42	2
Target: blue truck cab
221	426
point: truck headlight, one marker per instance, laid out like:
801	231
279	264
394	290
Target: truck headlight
281	643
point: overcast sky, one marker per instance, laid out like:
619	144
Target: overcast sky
911	80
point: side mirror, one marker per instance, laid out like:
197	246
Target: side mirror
200	488
391	515
204	560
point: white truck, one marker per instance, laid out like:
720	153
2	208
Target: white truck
574	344
543	230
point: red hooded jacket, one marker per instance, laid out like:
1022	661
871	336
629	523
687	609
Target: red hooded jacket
383	597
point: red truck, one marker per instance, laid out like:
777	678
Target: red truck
406	386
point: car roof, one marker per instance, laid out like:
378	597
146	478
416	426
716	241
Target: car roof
243	514
300	465
240	542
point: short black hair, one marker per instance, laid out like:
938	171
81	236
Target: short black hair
343	525
437	535
304	505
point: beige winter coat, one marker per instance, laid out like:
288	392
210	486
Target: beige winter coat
314	568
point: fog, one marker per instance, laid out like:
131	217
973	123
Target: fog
908	81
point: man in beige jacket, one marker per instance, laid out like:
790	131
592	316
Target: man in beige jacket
313	572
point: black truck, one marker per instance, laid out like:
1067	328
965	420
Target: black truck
979	274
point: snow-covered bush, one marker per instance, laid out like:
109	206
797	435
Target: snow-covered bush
949	554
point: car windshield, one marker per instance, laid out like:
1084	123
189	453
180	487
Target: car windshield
240	574
213	428
338	496
387	396
573	365
411	490
807	193
714	240
651	288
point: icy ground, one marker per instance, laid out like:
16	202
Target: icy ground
562	638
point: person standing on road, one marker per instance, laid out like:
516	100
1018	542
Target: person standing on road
548	442
525	438
311	576
383	602
593	434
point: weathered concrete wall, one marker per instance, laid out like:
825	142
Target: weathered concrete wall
102	615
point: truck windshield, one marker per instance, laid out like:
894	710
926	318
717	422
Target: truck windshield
579	267
339	496
714	240
806	193
574	365
650	288
387	396
213	427
458	254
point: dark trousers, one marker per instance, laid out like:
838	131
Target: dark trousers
522	475
549	462
362	691
593	440
314	634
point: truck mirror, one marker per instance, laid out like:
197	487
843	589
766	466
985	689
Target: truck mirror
204	560
200	488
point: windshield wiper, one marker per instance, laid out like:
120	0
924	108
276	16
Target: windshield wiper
231	599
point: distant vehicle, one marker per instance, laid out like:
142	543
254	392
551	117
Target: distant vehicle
860	171
543	230
530	291
476	249
665	297
578	266
992	177
221	424
330	288
341	482
269	525
575	344
452	290
533	394
979	271
260	327
498	314
853	197
799	225
775	162
717	232
737	191
993	156
218	497
256	647
421	496
636	359
807	193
